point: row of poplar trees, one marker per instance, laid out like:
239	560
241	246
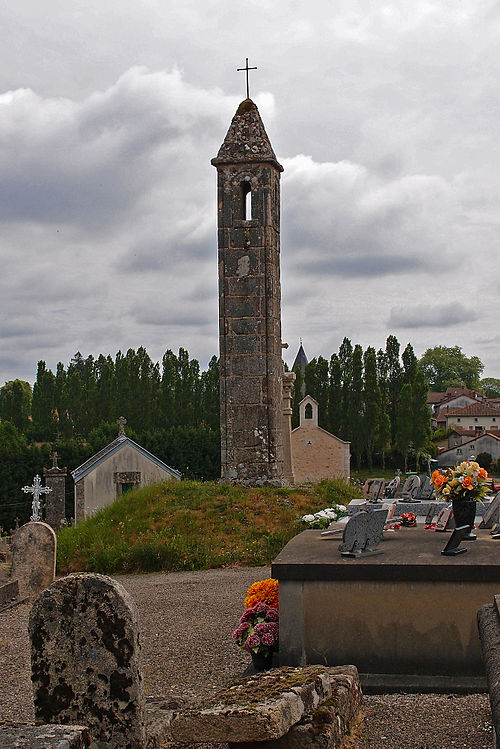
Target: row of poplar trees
377	400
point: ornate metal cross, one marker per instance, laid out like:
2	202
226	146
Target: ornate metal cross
121	423
37	490
246	69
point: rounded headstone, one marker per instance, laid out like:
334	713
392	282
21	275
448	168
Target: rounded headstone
86	659
33	557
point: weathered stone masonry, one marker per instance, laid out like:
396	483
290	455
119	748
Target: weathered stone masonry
249	301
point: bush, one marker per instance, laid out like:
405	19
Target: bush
484	460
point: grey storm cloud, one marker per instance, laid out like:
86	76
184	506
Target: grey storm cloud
387	126
433	316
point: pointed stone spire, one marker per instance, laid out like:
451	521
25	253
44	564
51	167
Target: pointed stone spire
246	140
301	359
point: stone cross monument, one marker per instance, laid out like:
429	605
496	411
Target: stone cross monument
37	490
249	302
55	478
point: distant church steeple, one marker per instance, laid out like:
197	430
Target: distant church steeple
248	187
300	360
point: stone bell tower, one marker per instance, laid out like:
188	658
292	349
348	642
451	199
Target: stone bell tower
249	302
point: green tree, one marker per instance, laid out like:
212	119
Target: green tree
356	416
43	407
404	422
345	358
394	381
420	418
15	403
490	386
372	403
446	366
335	395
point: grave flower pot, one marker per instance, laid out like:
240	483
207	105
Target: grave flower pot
464	512
262	662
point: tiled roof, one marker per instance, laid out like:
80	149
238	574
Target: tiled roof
473	439
474	409
434	397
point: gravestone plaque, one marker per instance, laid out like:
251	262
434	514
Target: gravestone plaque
392	487
363	533
410	488
453	547
491	516
86	659
430	513
443	521
426	490
33	558
376	490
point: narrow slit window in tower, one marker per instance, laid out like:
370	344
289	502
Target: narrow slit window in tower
246	201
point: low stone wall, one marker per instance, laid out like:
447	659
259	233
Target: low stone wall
23	736
488	620
9	592
279	709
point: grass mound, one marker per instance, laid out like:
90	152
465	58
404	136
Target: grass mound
192	525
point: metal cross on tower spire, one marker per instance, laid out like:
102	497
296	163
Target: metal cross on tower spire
246	69
37	490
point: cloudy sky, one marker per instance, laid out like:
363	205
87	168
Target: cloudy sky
385	115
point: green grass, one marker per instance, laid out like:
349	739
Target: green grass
192	525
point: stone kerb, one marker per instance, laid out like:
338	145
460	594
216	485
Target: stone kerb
277	709
33	558
86	660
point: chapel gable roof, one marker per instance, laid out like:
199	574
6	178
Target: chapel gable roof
246	140
111	449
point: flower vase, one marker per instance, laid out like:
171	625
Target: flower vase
262	662
464	513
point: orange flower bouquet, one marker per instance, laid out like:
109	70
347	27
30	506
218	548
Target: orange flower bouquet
263	591
464	482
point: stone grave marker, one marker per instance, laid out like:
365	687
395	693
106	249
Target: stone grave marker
430	513
86	660
55	479
443	522
410	488
492	513
33	550
363	533
426	490
392	487
377	490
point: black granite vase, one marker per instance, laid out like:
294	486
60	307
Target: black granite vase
262	662
464	512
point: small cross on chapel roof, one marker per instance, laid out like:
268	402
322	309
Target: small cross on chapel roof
121	424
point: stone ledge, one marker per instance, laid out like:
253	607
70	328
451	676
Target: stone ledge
489	635
265	707
26	736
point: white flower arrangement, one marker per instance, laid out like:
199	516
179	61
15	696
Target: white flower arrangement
323	518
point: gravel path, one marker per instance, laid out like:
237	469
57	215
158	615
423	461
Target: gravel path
187	619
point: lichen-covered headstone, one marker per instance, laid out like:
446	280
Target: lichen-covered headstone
33	558
86	660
